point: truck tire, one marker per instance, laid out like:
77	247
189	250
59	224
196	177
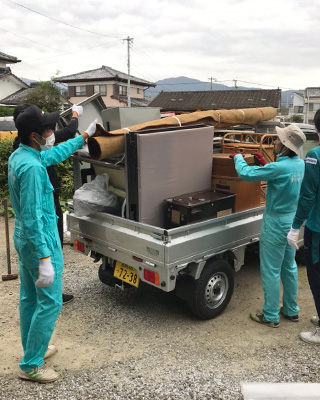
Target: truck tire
106	276
212	292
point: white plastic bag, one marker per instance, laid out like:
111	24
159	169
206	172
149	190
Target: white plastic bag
66	233
94	196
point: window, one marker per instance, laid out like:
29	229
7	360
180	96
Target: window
123	90
138	91
310	106
80	91
102	89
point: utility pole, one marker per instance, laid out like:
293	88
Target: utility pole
129	41
235	83
212	79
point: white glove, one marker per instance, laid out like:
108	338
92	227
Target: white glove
46	273
91	130
292	238
77	109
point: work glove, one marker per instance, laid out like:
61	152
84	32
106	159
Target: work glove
292	238
46	272
77	109
92	128
235	154
259	158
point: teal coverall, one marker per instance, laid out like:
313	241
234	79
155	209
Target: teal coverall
309	210
36	236
277	258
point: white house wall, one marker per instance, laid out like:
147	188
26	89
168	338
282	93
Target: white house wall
9	85
109	102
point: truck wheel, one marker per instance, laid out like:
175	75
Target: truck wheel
213	290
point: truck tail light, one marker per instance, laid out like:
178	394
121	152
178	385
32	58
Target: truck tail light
79	246
151	276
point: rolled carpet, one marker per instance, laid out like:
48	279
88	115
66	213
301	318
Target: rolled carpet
105	144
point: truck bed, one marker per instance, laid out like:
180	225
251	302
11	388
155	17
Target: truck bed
166	249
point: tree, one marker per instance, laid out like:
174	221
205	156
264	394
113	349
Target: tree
284	110
296	119
46	96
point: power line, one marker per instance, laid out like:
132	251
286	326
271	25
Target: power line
68	53
184	83
57	55
262	84
60	22
146	57
22	37
225	80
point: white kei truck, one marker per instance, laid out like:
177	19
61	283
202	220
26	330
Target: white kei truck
196	260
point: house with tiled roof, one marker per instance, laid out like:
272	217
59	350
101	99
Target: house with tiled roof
9	83
17	97
110	83
21	96
182	102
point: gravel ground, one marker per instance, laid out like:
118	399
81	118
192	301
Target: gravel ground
145	344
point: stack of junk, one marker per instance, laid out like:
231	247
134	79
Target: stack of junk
190	182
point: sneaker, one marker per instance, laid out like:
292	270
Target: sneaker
39	374
50	352
311	337
259	317
315	320
66	298
293	318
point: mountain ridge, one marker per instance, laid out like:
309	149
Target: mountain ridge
185	84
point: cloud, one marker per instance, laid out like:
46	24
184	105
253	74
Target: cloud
274	42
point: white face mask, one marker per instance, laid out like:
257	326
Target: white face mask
50	140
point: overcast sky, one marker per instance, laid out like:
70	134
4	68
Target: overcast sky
270	44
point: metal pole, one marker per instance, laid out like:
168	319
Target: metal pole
5	202
9	276
129	40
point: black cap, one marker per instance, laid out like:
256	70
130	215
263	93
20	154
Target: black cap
32	119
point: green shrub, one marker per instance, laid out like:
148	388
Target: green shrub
5	151
65	173
6	111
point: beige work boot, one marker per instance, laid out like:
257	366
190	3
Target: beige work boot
311	337
315	320
50	352
39	374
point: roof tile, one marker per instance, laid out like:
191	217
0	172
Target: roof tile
214	100
103	73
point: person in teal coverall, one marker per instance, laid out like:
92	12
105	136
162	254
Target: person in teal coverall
277	258
309	210
36	237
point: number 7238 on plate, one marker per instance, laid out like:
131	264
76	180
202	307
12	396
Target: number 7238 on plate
126	273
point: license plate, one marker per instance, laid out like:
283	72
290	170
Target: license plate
126	273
